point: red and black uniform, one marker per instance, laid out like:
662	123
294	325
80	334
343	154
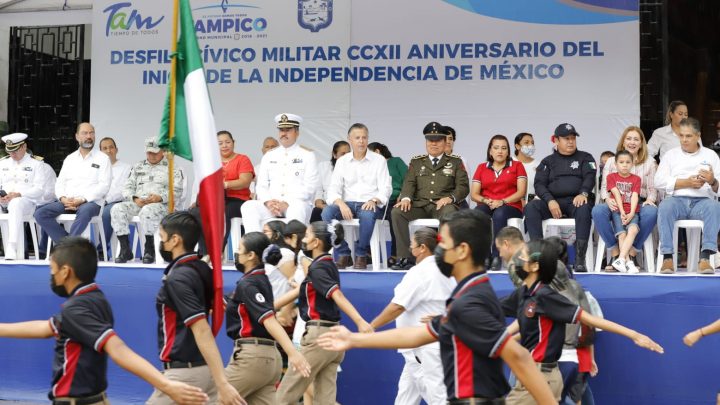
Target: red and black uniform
82	328
542	314
249	306
316	291
184	298
472	335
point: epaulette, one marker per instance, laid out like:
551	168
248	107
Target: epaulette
419	157
455	156
270	150
37	157
306	148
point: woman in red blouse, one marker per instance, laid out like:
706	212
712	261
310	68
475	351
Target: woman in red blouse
238	173
498	187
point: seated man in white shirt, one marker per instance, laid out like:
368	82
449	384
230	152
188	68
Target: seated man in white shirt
286	180
81	187
689	176
360	187
422	292
120	173
22	178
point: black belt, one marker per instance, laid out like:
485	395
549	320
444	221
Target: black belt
326	324
183	364
547	367
255	341
477	401
80	400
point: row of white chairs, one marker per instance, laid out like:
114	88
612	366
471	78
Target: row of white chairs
380	237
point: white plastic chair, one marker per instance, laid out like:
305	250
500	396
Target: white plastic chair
66	220
518	223
235	236
570	222
693	229
378	240
422	223
4	218
648	252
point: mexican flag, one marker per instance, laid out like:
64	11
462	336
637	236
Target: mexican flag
195	139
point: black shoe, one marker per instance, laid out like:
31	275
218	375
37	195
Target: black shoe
149	256
125	253
403	264
496	264
580	268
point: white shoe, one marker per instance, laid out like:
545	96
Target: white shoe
631	268
619	265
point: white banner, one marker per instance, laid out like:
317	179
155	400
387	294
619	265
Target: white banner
482	67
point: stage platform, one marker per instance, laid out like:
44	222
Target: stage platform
664	307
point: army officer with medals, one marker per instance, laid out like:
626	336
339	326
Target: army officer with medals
434	186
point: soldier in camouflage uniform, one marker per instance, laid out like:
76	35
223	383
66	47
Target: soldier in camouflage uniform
146	195
434	186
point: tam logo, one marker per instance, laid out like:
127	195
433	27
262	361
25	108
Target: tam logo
122	17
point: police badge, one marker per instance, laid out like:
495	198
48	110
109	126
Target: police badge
315	15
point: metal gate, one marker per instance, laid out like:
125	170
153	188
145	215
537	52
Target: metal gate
49	88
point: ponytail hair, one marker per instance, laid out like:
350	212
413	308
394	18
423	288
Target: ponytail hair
331	235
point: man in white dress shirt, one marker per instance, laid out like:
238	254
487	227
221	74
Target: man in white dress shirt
689	176
120	173
81	187
360	187
286	181
22	177
422	292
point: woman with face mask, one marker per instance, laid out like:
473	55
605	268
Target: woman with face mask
320	303
255	366
524	152
542	314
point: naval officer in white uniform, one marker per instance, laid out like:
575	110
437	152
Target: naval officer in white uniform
22	178
286	181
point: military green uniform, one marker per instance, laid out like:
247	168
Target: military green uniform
425	184
145	179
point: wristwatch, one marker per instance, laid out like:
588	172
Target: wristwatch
584	194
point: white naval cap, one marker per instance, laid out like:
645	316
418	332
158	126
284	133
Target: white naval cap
286	120
14	141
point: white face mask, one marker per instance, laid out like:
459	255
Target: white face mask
528	150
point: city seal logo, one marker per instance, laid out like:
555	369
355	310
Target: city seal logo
315	15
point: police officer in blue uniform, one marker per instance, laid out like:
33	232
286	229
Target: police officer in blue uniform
564	183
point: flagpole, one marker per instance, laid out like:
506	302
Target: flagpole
171	130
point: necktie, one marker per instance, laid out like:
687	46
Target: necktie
435	162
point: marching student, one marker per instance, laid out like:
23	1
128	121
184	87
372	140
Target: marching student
542	313
473	339
256	366
320	303
186	343
421	292
84	334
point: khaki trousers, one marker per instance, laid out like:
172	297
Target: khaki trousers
254	370
196	376
521	396
324	366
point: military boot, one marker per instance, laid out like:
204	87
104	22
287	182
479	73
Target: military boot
149	256
125	253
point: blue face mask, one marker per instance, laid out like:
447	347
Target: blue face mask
528	150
